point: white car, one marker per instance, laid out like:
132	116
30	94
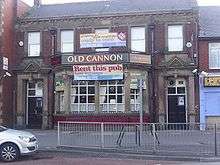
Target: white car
14	143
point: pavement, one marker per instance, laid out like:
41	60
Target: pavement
48	143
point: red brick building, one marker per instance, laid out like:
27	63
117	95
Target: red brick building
9	9
209	64
85	62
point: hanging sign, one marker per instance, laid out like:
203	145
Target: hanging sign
98	72
102	40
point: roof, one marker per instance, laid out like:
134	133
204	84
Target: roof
107	7
209	20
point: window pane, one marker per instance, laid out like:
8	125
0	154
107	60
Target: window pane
138	45
175	31
91	99
34	50
82	90
171	90
180	90
175	44
82	99
67	36
138	33
67	47
91	90
34	38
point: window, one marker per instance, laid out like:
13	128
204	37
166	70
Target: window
135	99
111	96
175	38
101	31
67	41
61	101
138	39
214	55
34	44
83	96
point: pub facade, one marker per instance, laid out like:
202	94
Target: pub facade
106	63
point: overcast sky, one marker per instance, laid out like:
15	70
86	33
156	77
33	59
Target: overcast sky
201	2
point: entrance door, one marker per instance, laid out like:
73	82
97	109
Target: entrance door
34	104
35	112
177	109
176	101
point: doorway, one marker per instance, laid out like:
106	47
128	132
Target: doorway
34	105
176	101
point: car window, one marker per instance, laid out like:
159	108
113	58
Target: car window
2	128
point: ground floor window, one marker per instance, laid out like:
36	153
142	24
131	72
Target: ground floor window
83	96
61	101
111	96
135	99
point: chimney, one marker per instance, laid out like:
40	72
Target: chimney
37	2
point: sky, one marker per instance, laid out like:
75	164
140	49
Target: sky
200	2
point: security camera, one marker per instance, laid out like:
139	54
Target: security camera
195	70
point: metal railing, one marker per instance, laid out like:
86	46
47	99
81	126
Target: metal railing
182	138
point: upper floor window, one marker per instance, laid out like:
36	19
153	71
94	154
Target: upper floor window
34	44
175	38
138	39
101	31
67	41
214	55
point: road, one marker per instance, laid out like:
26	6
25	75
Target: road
49	158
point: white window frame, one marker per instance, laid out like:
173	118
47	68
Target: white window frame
113	107
70	42
141	38
82	107
214	57
34	43
172	37
135	100
103	30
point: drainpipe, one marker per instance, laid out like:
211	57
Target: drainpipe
153	100
53	33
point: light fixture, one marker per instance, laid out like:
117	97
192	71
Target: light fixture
203	73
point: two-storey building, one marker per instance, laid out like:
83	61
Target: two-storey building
106	61
209	64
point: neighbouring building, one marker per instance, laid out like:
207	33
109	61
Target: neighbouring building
8	14
209	64
96	61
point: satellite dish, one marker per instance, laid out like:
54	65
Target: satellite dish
188	44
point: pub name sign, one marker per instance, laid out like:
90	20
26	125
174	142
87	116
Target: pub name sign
94	58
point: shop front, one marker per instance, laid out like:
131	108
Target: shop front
210	98
101	87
